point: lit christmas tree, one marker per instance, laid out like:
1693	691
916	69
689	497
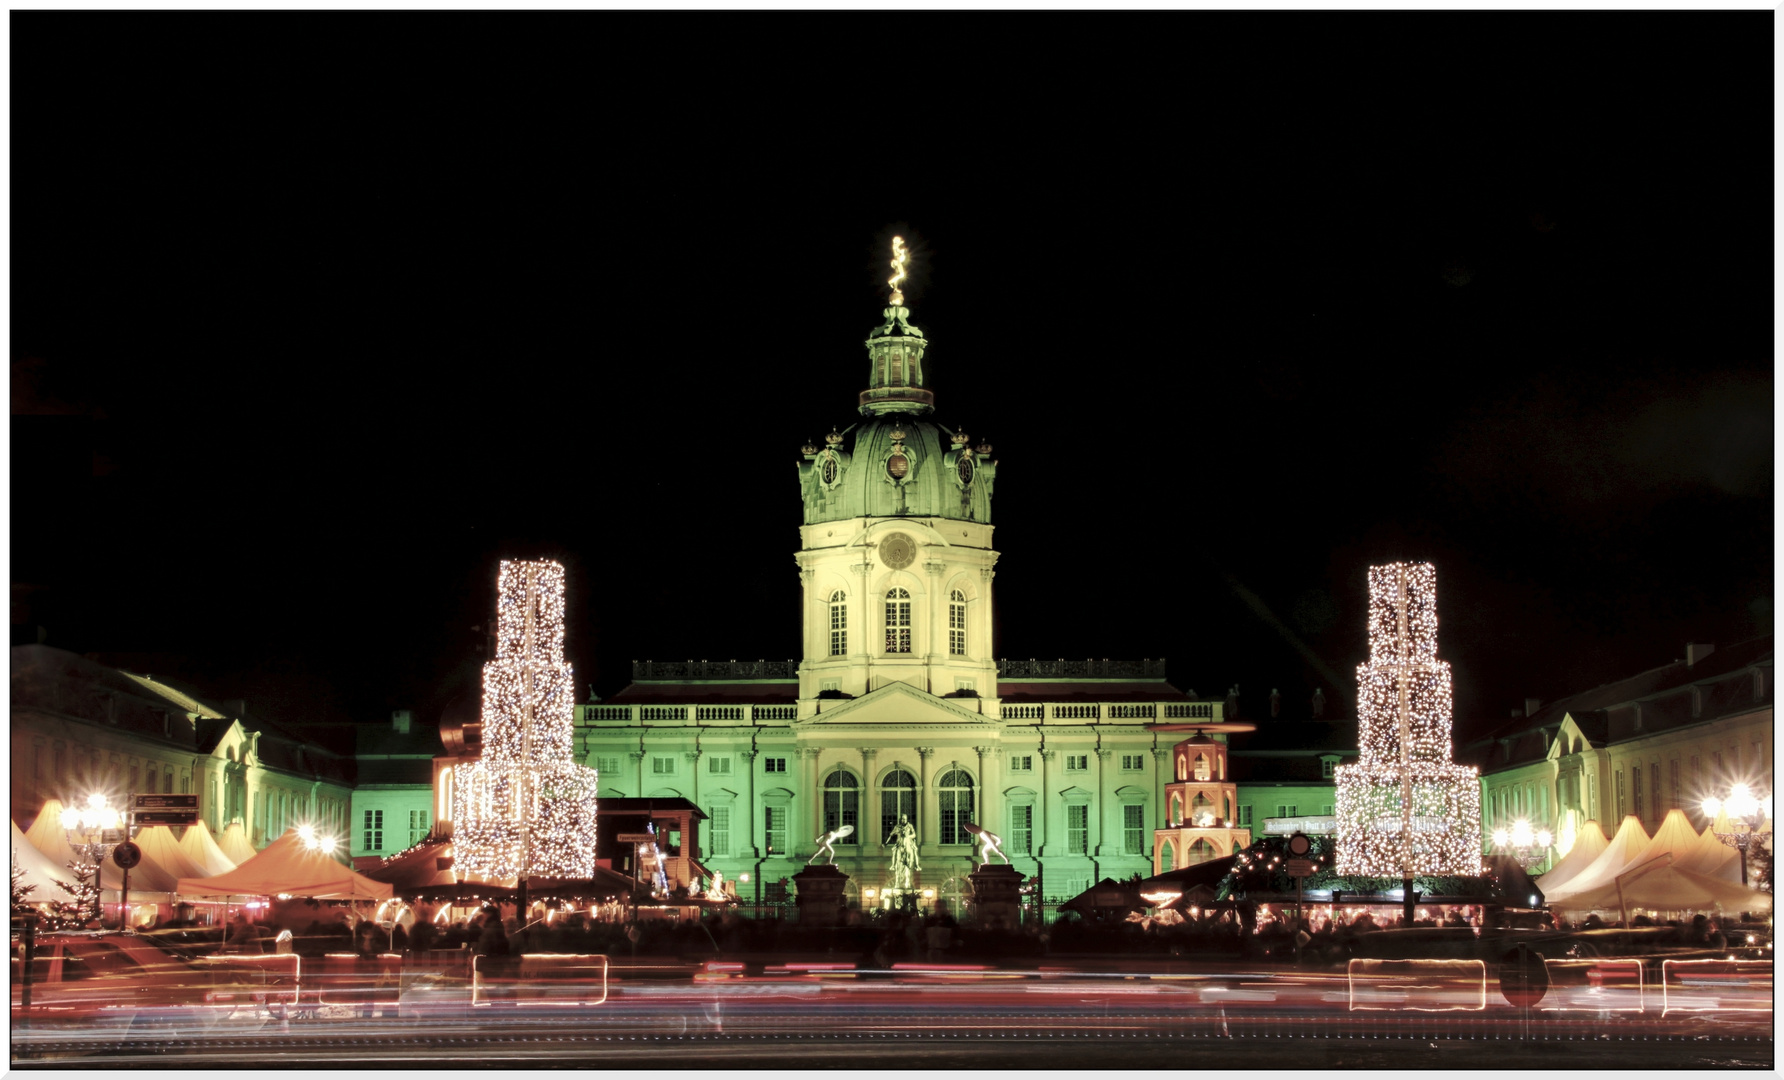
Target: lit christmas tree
21	892
84	908
526	809
1404	808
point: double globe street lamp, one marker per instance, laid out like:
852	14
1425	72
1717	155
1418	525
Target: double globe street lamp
1741	821
1527	845
86	826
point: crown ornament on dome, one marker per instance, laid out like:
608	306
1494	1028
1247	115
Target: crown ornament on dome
961	438
895	348
834	439
809	448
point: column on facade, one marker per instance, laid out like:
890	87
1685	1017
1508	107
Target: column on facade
1042	841
1101	812
984	643
751	810
864	803
1160	763
938	634
816	798
693	760
861	633
638	768
983	814
806	574
927	805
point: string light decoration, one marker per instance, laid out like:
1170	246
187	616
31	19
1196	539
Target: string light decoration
1404	808
526	809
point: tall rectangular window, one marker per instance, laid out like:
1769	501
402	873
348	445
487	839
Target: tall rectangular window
719	836
1622	797
374	830
1635	788
1133	829
1021	830
957	623
417	826
1718	777
898	621
1654	787
839	624
774	829
1245	816
1077	830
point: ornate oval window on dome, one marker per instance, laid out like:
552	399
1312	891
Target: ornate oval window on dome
830	470
898	466
965	471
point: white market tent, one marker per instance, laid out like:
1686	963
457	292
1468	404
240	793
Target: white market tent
234	843
1618	855
159	847
39	871
1661	886
1712	856
1587	846
202	851
287	866
47	835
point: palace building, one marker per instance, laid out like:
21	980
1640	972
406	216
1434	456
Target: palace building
897	706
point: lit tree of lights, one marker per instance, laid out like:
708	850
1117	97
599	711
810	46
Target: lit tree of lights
1404	808
526	809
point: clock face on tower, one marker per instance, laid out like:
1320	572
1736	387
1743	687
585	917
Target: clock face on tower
898	551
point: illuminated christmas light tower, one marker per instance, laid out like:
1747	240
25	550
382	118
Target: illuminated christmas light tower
526	809
1405	808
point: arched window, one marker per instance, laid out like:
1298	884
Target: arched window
956	791
898	795
839	624
167	781
957	623
1167	857
842	804
444	811
151	780
1199	852
1202	771
1201	811
1182	767
898	621
1176	809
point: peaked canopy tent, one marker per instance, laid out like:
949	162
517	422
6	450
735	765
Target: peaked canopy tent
202	851
1619	855
40	872
1712	856
47	836
1588	844
417	872
234	844
288	866
1661	885
159	846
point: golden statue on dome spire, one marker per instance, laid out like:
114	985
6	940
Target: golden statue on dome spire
899	257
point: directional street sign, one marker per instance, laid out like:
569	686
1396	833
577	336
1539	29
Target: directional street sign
636	838
166	817
167	802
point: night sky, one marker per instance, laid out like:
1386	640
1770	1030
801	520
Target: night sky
316	316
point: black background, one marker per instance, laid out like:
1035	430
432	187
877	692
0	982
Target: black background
317	315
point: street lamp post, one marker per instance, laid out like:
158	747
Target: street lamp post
1746	822
86	827
1528	846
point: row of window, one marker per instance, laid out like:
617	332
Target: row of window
373	829
1665	790
898	622
722	764
87	767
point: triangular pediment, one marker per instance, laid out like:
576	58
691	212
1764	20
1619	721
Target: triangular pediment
896	704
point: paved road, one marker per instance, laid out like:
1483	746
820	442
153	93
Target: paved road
975	1021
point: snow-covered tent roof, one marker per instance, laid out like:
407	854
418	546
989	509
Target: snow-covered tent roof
1618	855
1662	886
234	843
39	870
288	866
202	851
1588	844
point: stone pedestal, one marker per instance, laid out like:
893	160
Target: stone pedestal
997	905
820	894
